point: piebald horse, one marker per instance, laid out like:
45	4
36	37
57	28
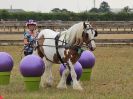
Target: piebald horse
64	47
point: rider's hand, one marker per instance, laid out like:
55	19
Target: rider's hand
26	41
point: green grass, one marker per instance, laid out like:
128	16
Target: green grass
112	78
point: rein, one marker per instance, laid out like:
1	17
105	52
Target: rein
66	46
52	38
59	46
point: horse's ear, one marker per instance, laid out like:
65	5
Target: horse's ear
84	25
91	23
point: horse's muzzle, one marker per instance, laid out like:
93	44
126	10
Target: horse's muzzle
91	46
92	49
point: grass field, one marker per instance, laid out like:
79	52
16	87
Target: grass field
112	77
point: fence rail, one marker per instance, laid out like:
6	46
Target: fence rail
102	27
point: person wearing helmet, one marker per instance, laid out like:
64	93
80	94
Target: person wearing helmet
29	37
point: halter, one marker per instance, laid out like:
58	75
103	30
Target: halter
90	28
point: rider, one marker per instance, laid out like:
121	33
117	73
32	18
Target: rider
29	37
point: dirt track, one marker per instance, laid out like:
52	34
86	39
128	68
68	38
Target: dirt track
100	36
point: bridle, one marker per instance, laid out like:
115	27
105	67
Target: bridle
85	32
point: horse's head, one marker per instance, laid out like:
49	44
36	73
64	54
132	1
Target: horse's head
89	35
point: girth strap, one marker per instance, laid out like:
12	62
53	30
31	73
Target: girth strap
57	52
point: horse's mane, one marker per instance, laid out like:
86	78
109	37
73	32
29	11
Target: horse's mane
74	33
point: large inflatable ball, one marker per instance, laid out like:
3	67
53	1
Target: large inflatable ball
6	62
32	66
87	59
78	70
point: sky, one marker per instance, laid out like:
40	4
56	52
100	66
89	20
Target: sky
71	5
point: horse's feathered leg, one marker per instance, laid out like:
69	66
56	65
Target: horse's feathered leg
47	75
76	84
62	83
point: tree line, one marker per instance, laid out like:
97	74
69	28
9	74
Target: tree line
103	13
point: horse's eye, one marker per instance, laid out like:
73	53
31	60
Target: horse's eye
96	34
86	35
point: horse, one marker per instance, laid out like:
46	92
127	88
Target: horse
64	47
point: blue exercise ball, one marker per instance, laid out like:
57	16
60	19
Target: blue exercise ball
6	62
87	59
32	66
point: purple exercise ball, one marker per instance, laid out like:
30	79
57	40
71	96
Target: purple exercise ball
77	68
32	66
6	62
87	59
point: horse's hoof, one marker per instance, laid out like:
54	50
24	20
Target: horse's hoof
78	88
62	87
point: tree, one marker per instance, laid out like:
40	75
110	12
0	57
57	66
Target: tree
64	11
4	14
126	9
94	10
104	7
56	10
